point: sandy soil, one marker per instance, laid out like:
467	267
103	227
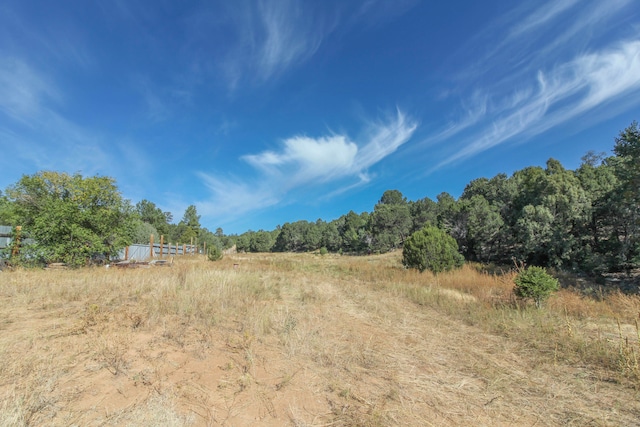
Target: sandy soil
325	353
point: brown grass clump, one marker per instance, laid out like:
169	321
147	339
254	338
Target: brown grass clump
307	340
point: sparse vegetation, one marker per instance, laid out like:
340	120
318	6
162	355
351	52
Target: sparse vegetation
298	339
431	249
535	283
215	253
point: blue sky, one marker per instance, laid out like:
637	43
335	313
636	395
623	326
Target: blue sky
265	112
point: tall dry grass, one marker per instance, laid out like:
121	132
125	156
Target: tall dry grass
574	328
270	316
95	315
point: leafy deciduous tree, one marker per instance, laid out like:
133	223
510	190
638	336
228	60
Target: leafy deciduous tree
72	218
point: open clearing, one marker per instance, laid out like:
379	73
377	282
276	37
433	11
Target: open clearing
300	340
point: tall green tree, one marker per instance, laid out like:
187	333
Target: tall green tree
312	234
390	222
501	193
563	195
446	210
72	218
423	212
261	241
389	226
482	224
330	236
188	228
597	178
392	197
353	232
553	208
243	242
151	214
535	233
191	218
627	169
291	237
206	237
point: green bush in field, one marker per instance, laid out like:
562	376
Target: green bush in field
431	249
535	283
215	253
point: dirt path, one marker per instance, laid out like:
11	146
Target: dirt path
427	369
326	352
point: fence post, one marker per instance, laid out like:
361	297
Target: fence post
126	253
184	249
151	246
161	245
16	245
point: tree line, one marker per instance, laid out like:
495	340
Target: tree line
586	219
81	220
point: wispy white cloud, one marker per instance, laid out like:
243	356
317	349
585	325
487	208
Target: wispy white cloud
23	91
573	35
271	38
384	138
528	38
232	197
289	36
541	16
543	73
30	118
279	35
305	162
474	110
562	93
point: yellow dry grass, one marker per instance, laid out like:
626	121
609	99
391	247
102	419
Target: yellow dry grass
308	340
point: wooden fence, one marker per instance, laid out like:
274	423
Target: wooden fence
160	250
139	252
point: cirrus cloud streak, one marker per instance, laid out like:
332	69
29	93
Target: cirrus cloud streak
548	81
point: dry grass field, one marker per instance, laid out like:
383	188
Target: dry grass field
308	340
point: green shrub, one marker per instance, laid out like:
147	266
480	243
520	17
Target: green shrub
535	283
431	249
323	251
215	253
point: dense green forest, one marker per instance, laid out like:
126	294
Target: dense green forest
586	219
